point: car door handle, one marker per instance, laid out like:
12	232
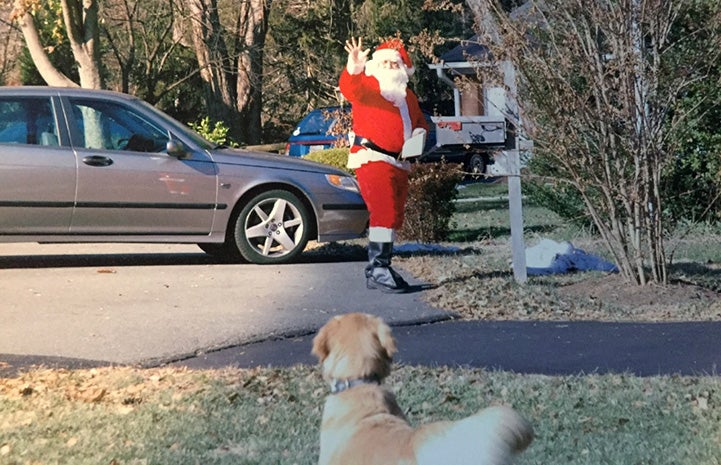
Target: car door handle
97	160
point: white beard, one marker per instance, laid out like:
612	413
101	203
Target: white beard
393	82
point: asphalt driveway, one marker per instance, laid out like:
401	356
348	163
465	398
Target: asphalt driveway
538	347
145	304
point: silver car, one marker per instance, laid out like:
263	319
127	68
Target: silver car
80	165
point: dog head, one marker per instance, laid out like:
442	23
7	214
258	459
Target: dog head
355	345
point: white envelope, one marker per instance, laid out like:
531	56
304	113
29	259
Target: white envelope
413	147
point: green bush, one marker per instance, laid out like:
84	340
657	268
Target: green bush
691	183
430	206
334	157
217	133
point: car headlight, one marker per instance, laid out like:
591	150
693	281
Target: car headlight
343	182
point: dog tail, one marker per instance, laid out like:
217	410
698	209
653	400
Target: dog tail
493	436
511	427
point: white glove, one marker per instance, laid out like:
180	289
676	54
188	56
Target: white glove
357	57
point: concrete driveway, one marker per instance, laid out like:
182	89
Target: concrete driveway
146	304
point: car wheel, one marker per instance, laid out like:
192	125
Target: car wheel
476	165
272	228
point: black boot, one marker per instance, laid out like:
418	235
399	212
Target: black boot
379	274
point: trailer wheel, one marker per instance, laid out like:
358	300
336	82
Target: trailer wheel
475	165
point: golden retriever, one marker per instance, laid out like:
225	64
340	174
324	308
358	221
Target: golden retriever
363	424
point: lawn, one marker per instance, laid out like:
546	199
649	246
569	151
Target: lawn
271	416
125	415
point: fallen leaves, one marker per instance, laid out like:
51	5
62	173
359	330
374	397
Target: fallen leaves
480	285
125	386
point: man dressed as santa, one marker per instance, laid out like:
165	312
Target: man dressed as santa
385	114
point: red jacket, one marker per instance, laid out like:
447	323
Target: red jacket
376	118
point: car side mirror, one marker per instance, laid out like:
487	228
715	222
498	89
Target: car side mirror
177	149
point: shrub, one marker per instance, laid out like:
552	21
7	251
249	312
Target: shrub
692	181
217	133
430	206
334	157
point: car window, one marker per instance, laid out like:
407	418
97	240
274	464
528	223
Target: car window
112	126
27	120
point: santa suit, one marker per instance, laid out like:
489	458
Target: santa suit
385	115
383	178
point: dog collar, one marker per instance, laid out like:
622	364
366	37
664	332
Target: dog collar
339	385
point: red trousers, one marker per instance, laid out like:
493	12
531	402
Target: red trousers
384	188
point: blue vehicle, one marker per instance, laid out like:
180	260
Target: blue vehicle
313	132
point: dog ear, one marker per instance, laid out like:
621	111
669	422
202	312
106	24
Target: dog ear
320	344
385	337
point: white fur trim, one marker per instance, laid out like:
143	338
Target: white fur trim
381	234
354	68
355	160
388	54
392	55
406	118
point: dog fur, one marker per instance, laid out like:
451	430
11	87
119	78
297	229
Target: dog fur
363	424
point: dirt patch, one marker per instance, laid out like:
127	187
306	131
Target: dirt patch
677	301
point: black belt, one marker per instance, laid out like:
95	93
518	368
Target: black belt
367	143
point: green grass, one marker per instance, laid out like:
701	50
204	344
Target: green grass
272	416
482	214
489	219
497	188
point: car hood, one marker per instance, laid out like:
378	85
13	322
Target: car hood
270	160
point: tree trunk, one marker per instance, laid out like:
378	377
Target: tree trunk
81	23
233	82
215	68
252	29
47	70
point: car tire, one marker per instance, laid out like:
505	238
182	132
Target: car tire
272	228
475	165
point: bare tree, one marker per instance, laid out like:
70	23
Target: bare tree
601	80
10	45
80	18
143	46
232	71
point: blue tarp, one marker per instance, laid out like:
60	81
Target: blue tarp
550	257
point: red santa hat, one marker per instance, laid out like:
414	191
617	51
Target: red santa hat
394	50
